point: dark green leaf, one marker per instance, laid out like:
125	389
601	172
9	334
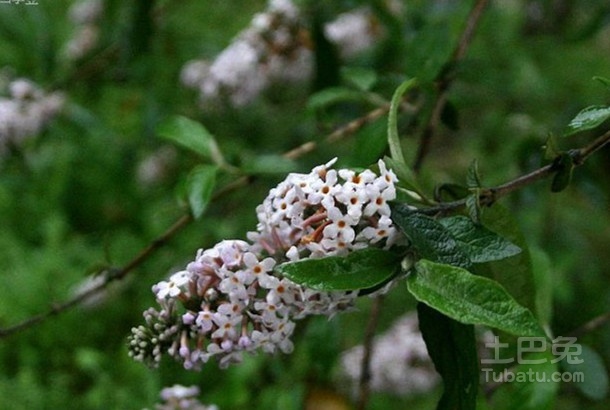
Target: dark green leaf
360	269
200	186
594	382
481	244
470	299
563	165
450	116
452	348
587	119
191	135
431	239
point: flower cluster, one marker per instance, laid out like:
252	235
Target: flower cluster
26	111
229	300
180	397
86	16
353	32
399	362
275	49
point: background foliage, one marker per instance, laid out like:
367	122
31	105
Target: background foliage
71	201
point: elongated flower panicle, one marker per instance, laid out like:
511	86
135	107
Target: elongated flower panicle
229	300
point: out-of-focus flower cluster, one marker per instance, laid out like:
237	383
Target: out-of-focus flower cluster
26	111
229	300
86	16
180	397
275	48
399	363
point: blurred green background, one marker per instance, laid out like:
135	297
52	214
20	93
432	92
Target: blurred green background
73	199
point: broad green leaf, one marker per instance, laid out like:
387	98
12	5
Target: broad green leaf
587	119
193	136
470	299
200	186
360	269
371	142
430	239
526	386
514	273
591	373
333	95
393	138
452	347
480	244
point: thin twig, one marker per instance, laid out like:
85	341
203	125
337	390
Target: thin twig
489	195
364	384
443	82
113	274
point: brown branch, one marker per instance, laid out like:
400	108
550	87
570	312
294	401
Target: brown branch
443	82
364	384
112	274
489	195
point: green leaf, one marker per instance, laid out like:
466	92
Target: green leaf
393	138
450	116
192	136
563	166
587	119
360	269
470	299
481	244
431	239
371	142
527	386
452	348
200	186
594	383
